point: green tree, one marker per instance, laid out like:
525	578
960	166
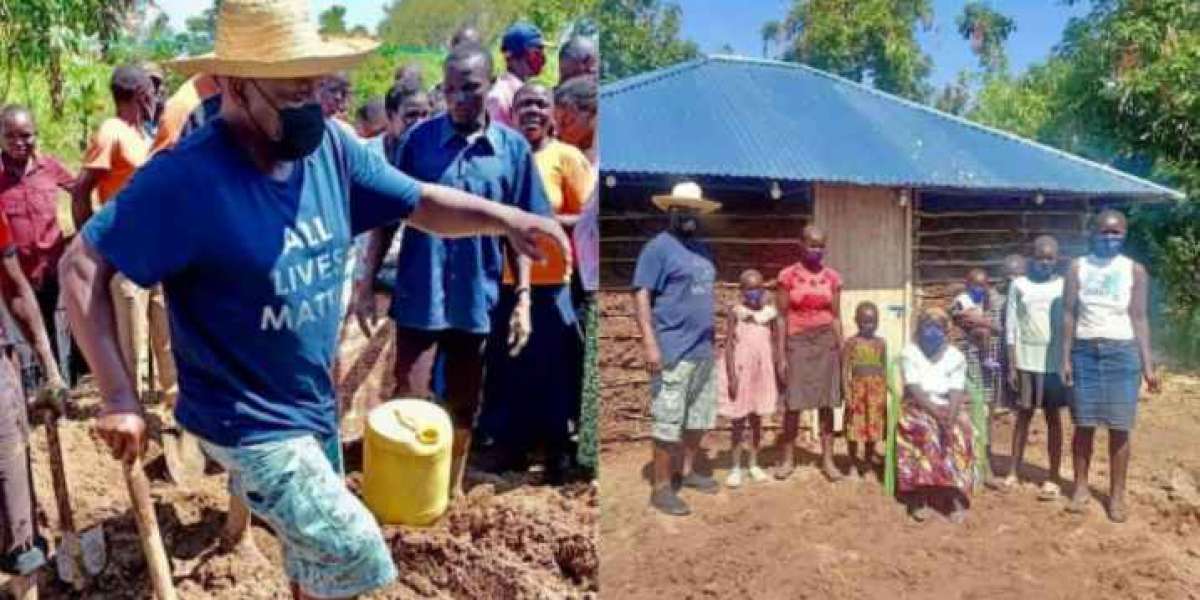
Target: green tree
638	36
37	36
770	33
987	30
869	41
955	97
332	21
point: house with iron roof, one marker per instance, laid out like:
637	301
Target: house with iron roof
911	197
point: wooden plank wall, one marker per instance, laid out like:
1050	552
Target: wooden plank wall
956	232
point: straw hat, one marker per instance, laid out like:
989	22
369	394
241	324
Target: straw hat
272	39
686	195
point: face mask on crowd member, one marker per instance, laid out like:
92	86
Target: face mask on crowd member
285	112
812	248
1108	235
684	222
524	50
931	337
1045	258
978	286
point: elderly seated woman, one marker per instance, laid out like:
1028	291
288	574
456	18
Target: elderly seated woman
934	454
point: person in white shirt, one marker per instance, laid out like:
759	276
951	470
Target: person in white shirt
1106	355
1033	336
935	455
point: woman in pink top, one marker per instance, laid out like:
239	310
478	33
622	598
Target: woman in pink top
808	297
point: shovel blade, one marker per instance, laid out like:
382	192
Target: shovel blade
95	551
66	561
184	457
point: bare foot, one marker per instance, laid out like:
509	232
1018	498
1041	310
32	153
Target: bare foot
1079	501
921	513
959	513
830	472
785	469
1117	513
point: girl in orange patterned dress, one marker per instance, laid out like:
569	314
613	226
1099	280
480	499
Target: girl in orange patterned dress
864	360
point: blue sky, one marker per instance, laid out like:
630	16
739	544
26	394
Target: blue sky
714	23
358	12
1040	23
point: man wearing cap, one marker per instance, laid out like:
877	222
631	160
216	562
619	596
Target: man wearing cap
673	290
248	224
524	57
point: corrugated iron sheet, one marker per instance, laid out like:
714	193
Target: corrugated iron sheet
740	117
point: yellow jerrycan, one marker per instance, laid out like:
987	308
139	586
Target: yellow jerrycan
406	462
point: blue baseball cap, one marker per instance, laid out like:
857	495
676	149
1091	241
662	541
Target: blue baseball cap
520	37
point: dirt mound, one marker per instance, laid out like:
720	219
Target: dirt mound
807	538
509	538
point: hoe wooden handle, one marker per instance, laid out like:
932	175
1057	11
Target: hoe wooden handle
147	524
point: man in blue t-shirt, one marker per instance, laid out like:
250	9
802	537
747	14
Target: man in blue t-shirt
673	284
248	224
446	290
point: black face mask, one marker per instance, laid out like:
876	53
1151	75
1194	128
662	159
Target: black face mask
302	129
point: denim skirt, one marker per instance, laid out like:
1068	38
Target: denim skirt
1108	375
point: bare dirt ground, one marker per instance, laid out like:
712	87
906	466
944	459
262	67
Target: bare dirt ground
806	538
510	537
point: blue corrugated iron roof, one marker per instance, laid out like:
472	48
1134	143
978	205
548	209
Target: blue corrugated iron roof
741	117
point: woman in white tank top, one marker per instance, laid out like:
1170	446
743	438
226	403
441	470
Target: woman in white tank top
1106	355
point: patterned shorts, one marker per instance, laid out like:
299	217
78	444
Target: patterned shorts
332	547
685	398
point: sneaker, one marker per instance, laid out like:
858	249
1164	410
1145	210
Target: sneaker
735	478
700	483
668	503
758	475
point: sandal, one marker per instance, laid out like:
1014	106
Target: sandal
921	513
1049	492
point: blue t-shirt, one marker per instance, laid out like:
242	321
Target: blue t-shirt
253	270
679	276
454	283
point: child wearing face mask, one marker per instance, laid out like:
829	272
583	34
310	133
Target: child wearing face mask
864	360
751	390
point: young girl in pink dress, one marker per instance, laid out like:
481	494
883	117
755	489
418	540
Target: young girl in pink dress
750	390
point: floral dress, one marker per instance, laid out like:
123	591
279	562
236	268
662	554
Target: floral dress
928	453
867	408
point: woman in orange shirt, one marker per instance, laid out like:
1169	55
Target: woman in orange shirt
531	397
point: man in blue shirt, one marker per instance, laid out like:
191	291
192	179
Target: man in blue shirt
673	283
248	225
446	289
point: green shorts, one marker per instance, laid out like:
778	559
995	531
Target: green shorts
684	398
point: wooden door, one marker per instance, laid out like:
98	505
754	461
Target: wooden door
869	244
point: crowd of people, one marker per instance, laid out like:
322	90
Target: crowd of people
241	225
1056	339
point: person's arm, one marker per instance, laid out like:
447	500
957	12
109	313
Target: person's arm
1070	302
81	197
1010	333
730	342
23	304
782	301
1141	325
85	277
362	302
646	326
835	305
847	353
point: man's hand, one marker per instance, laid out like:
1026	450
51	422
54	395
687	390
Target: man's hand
525	229
51	397
362	305
653	359
520	324
1153	384
124	430
1065	373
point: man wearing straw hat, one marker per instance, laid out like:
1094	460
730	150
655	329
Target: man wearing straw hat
673	284
248	224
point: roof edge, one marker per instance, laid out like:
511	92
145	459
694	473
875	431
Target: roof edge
670	71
